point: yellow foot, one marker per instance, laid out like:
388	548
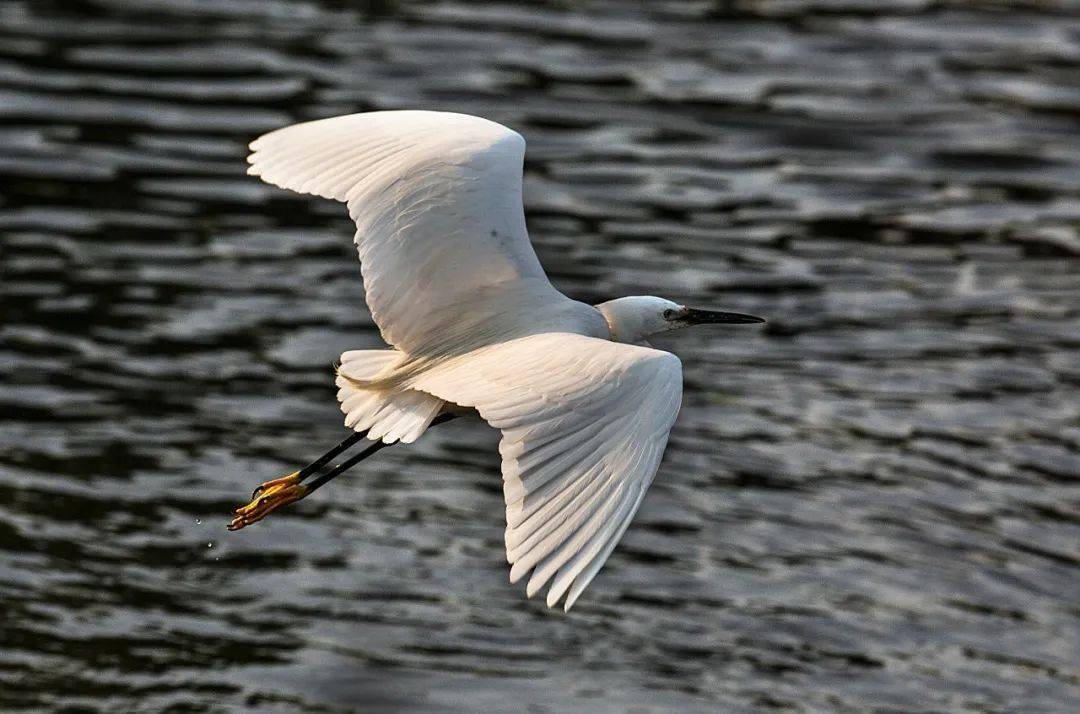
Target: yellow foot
267	498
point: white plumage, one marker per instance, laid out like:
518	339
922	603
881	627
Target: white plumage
584	423
455	287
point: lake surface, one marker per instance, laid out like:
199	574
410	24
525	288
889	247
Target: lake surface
872	504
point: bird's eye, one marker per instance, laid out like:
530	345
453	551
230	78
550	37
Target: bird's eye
668	314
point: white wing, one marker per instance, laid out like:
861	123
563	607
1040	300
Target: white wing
437	202
584	422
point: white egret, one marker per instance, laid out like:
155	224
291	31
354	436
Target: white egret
584	405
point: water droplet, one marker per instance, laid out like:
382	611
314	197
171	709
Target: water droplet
198	521
210	544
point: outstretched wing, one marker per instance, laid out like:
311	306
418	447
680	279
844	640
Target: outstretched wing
437	202
584	424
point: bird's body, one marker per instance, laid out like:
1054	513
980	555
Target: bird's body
473	322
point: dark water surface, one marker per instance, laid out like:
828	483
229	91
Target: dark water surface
874	504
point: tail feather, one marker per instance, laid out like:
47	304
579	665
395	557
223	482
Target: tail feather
388	414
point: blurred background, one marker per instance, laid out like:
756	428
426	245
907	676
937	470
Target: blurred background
873	504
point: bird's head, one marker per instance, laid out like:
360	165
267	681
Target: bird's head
632	319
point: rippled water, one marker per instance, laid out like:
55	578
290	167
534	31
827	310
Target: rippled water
872	504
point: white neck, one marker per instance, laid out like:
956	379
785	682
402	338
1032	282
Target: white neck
632	319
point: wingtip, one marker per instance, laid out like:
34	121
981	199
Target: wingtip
259	141
532	588
514	516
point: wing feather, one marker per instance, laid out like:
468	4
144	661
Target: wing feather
585	422
436	198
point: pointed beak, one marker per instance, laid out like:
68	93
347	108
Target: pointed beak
712	317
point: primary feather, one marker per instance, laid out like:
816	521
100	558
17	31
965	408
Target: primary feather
597	413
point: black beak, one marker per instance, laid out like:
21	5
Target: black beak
711	317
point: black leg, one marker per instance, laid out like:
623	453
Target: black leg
344	466
285	490
318	463
376	446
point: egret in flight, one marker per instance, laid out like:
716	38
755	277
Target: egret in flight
475	326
